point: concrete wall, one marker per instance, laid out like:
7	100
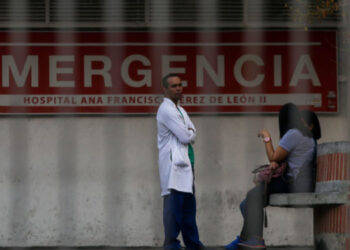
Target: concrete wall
94	180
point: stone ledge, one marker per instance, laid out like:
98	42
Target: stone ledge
333	147
308	199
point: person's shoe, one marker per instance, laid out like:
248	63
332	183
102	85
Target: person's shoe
233	244
252	243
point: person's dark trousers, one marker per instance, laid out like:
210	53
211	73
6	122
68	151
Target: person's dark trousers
179	214
252	207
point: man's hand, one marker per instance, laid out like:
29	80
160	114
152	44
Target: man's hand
191	129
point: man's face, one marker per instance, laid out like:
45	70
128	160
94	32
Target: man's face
174	90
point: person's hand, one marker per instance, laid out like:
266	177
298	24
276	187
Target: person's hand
273	165
264	133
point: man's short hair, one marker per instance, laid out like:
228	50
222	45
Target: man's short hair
165	83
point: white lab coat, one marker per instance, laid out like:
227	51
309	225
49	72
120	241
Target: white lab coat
175	169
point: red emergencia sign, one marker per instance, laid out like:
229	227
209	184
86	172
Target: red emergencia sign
120	72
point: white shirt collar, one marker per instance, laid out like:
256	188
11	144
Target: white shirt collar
170	101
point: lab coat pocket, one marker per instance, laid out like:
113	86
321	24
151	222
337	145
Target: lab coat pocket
181	175
180	155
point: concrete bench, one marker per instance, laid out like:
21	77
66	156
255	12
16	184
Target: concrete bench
308	199
331	199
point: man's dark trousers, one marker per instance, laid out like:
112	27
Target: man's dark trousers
179	214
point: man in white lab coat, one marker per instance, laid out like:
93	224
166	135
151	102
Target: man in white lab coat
176	134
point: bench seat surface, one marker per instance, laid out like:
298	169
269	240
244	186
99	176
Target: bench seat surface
307	199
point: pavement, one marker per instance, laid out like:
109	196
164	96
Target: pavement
141	248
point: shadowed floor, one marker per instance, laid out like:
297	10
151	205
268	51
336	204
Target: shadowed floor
136	248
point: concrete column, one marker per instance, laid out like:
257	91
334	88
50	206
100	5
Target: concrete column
332	223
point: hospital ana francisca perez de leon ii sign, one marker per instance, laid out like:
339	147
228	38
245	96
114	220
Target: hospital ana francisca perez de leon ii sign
120	72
